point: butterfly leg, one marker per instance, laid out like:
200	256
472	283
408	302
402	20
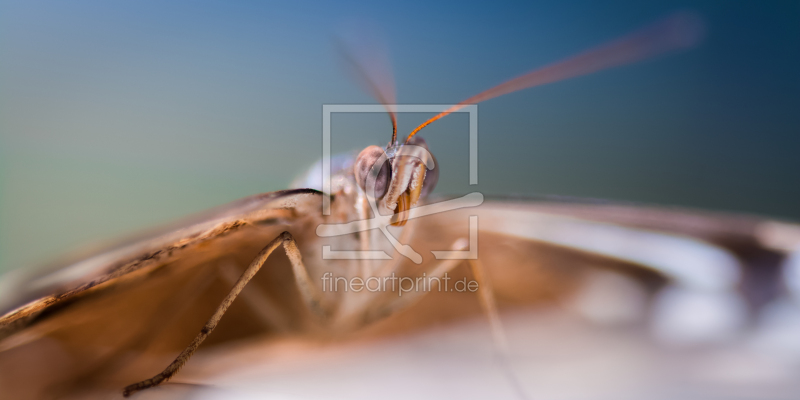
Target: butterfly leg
311	295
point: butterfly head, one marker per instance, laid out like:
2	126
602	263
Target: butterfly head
399	175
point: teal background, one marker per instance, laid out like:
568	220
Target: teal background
117	116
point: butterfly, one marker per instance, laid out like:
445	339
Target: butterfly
321	290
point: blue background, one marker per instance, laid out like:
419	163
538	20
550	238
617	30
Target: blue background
115	116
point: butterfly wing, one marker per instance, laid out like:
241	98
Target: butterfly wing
693	250
554	265
592	294
70	326
143	254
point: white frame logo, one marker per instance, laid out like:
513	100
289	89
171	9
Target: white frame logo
382	222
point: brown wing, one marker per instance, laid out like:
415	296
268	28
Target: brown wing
548	254
537	252
698	248
78	324
144	254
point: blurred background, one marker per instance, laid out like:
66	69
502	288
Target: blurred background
117	116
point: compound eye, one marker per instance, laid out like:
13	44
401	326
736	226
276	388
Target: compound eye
364	164
431	175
